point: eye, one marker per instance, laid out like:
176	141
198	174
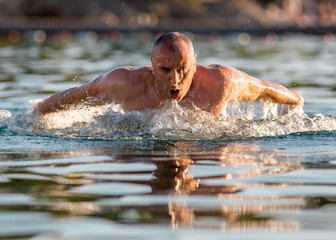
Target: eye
184	69
165	69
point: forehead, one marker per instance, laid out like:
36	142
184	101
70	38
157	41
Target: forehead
174	48
180	54
172	59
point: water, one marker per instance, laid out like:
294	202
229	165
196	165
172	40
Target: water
101	173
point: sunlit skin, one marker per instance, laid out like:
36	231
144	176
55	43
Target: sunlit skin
173	76
174	70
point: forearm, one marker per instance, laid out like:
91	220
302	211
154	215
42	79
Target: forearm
106	88
62	100
281	94
251	89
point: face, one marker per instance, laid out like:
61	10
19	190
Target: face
174	72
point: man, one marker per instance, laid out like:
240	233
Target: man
173	76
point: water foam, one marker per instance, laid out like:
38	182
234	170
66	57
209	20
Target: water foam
239	120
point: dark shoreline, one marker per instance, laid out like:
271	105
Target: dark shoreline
56	24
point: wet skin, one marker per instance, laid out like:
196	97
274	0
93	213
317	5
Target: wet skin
173	76
173	71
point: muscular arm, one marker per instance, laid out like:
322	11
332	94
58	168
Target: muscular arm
106	88
247	88
63	100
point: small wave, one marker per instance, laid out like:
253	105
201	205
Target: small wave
4	116
111	122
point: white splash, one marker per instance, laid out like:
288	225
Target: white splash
4	115
108	122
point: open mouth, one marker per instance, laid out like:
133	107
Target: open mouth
174	93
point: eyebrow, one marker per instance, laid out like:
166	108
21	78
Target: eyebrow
187	64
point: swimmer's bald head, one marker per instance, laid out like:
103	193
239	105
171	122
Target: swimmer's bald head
173	43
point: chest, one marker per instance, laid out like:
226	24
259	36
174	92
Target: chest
141	102
206	101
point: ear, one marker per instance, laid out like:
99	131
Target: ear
195	63
152	64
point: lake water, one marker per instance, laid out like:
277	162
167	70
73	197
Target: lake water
259	171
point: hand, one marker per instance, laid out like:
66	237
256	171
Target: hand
301	101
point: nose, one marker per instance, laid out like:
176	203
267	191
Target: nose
175	78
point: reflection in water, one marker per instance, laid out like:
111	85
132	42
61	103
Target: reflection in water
181	184
190	188
236	211
174	175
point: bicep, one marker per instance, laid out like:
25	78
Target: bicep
109	87
245	87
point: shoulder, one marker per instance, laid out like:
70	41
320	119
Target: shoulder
118	82
216	69
124	76
127	74
216	74
217	80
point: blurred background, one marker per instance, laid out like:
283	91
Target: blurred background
220	16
